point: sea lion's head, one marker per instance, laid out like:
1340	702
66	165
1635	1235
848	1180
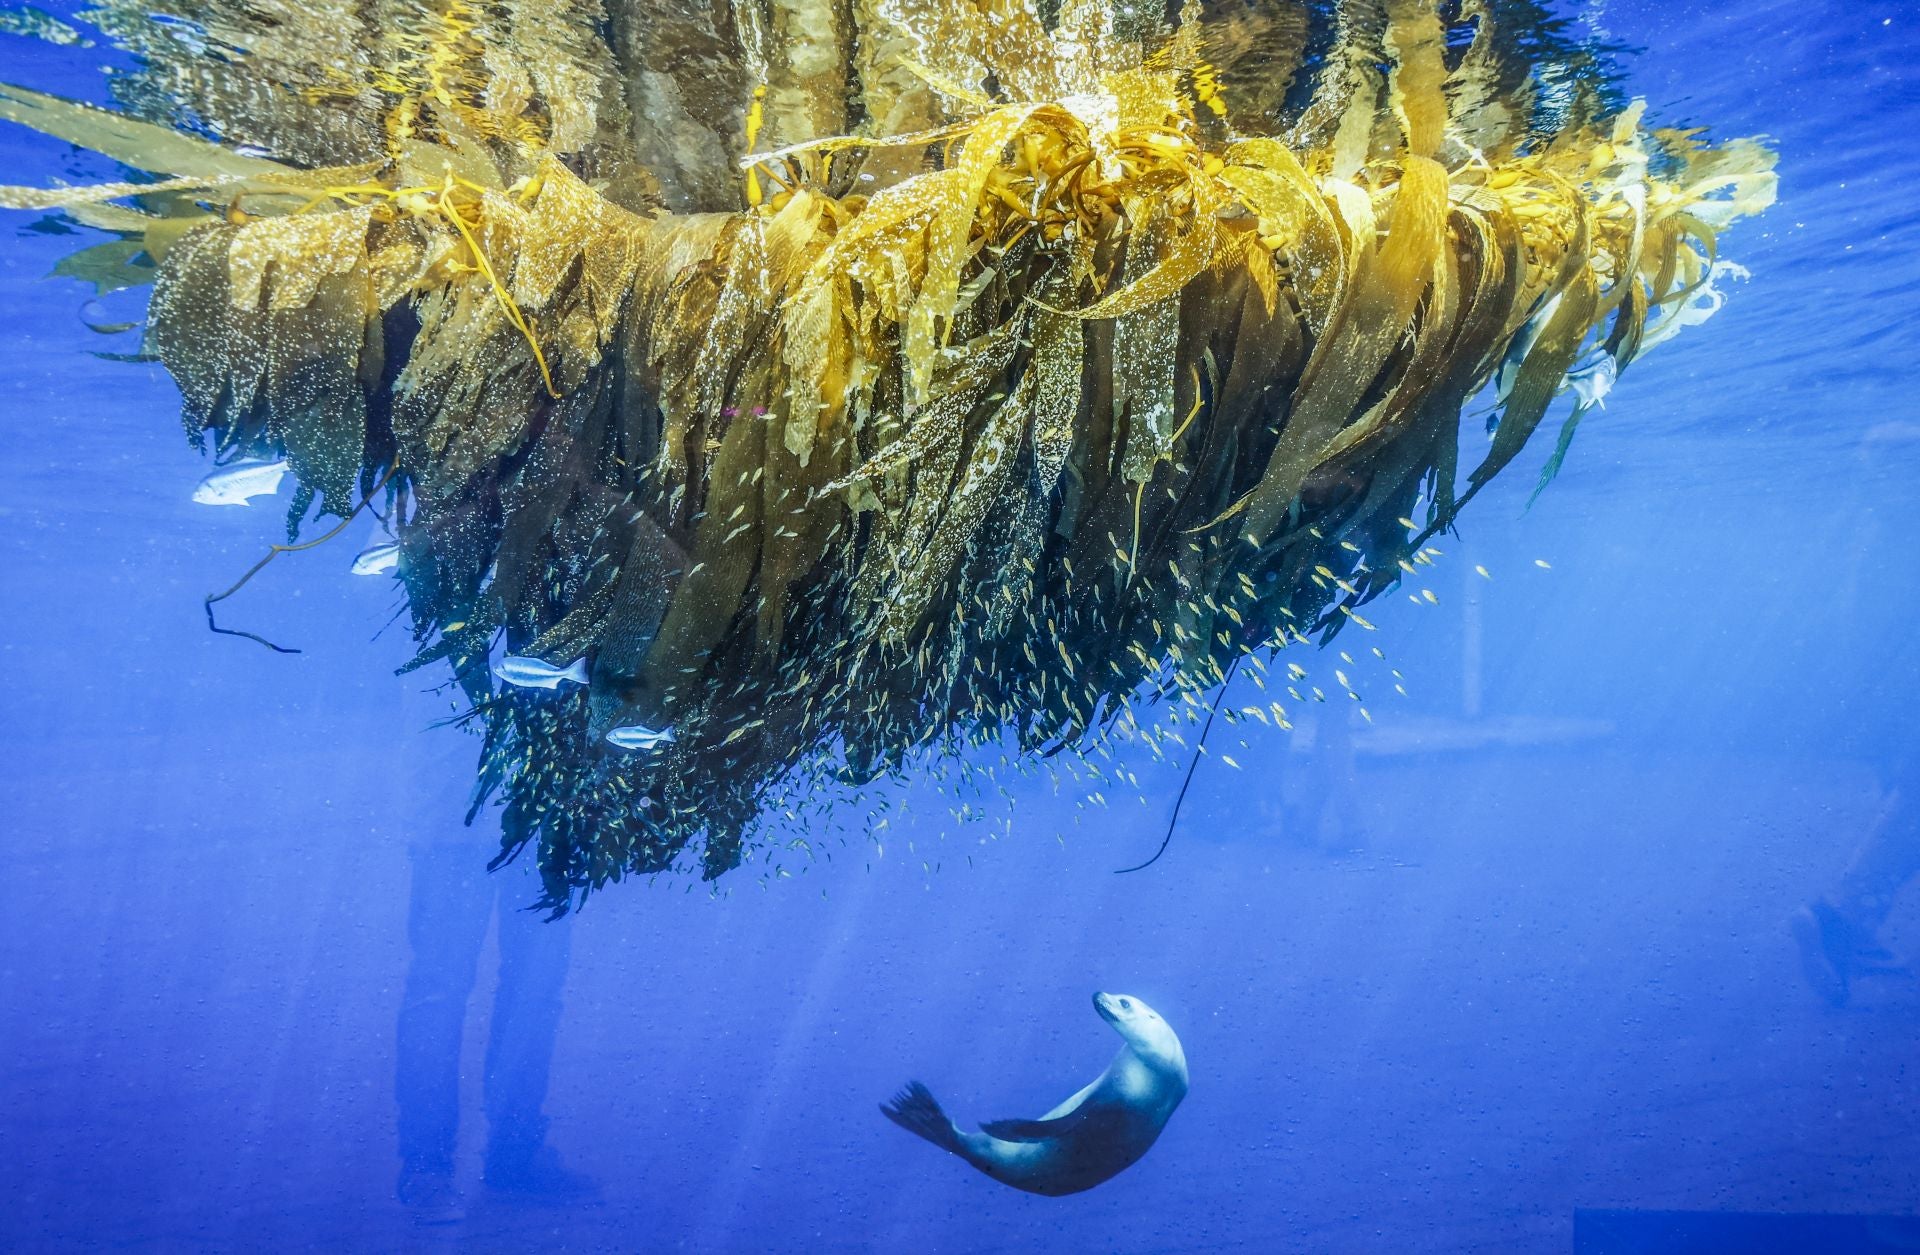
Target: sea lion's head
1151	1037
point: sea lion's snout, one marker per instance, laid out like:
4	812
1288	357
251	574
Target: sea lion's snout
1104	1004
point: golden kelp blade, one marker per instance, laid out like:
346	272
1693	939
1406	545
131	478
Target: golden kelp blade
851	384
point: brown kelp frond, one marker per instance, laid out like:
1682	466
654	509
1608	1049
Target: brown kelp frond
991	369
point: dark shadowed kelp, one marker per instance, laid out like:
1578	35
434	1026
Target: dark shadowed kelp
851	381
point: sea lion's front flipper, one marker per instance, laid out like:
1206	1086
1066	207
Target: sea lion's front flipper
1027	1130
1096	1121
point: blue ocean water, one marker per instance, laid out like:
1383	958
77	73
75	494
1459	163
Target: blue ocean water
1517	948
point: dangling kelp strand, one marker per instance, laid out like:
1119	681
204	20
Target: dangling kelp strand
1065	365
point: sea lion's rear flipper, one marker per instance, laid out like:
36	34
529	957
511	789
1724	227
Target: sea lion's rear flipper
917	1111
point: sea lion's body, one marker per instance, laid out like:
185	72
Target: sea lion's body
1088	1138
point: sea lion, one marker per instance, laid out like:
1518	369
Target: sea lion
1089	1137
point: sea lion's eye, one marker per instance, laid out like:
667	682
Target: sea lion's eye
1126	1004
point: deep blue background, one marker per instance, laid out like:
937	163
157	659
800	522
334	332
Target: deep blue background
1544	966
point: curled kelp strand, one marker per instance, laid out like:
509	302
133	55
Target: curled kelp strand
1193	764
274	551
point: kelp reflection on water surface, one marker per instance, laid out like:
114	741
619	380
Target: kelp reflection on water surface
846	382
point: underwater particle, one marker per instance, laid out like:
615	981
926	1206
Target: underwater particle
1483	573
1543	564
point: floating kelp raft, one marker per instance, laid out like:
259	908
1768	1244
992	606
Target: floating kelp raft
849	380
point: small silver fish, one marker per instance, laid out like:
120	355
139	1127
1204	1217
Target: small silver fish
1592	382
638	736
377	559
531	673
236	484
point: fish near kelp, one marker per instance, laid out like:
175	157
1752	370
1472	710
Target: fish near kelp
535	673
241	483
637	736
377	559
